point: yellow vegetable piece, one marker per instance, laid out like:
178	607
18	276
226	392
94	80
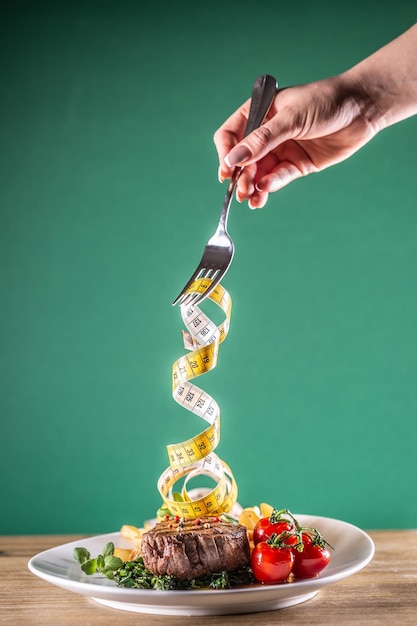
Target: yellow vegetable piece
123	553
266	509
250	516
132	532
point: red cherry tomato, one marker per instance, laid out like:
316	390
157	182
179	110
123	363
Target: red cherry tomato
264	530
271	564
314	557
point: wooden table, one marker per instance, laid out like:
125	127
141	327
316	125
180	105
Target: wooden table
385	592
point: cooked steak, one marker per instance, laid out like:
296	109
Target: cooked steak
189	549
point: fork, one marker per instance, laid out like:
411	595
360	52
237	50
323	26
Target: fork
219	250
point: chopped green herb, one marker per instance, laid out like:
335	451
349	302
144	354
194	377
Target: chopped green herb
133	574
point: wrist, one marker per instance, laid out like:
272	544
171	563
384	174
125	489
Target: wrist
368	99
386	81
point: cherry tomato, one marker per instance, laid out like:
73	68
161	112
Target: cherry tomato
314	557
271	564
264	530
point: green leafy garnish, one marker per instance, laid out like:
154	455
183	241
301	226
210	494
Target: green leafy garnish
134	575
105	563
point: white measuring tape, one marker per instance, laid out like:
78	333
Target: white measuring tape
196	456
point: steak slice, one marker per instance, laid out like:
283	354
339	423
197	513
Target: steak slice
192	548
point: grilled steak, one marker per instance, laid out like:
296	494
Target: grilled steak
190	549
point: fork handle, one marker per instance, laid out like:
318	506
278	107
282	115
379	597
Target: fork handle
263	94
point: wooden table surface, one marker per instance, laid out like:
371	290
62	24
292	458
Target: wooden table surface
385	592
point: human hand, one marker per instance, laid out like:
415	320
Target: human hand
308	128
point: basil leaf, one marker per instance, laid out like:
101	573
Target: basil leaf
100	562
81	555
108	549
89	567
112	562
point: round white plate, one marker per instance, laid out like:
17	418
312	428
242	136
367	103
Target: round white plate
353	549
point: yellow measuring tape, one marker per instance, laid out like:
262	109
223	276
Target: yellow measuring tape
196	456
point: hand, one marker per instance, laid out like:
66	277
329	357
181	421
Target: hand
308	129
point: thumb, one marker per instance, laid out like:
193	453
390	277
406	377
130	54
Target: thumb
261	141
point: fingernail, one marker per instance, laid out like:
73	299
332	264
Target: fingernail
237	155
261	186
259	203
220	175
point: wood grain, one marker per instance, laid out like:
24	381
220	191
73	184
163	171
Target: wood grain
384	592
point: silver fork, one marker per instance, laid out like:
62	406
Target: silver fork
219	250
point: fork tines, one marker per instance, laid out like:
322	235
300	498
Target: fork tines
200	285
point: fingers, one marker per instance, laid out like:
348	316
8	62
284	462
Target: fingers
275	171
280	177
284	174
228	135
248	151
282	125
251	150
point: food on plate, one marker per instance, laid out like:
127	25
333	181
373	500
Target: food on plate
212	552
284	550
313	558
134	575
272	562
265	509
106	563
274	524
190	549
134	534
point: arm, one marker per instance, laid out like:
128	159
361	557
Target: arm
313	126
389	77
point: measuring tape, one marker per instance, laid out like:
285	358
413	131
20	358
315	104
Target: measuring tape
196	456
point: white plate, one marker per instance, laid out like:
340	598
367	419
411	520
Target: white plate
353	549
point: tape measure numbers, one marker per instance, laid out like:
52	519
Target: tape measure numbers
196	457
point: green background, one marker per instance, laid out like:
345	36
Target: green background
108	194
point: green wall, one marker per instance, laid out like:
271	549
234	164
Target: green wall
108	193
